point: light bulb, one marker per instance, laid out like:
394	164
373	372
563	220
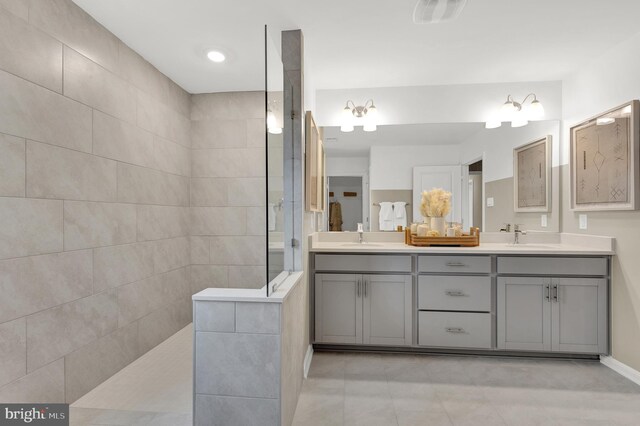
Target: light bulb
272	124
508	110
215	56
370	124
492	124
369	127
519	122
603	121
347	120
536	110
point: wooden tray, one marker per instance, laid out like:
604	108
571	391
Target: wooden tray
466	240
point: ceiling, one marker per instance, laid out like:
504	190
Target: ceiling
369	43
358	142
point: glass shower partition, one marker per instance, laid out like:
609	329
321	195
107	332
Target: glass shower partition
276	199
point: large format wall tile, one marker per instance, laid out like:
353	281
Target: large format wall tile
238	250
159	222
29	227
94	363
200	247
215	316
53	333
118	265
218	221
159	325
88	224
13	350
171	254
228	106
43	63
219	134
12	166
147	186
247	276
247	191
89	83
245	162
256	221
209	192
162	120
143	75
44	384
261	318
19	8
172	157
141	298
61	173
32	112
214	410
41	282
237	364
209	276
75	28
118	140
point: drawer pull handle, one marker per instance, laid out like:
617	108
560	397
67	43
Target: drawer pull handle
455	264
455	293
455	330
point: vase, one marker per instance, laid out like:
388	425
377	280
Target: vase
438	224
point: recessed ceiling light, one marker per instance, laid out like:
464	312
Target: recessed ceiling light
215	56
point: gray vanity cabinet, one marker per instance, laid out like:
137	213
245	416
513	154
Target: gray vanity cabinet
338	308
363	309
552	314
524	313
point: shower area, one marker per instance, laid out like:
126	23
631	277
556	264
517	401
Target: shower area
121	196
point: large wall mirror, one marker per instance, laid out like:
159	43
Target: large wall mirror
366	170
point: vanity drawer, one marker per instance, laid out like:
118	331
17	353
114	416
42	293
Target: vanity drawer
454	329
595	266
455	264
364	262
454	293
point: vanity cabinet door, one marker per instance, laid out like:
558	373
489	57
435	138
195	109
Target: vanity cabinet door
338	306
524	313
579	315
387	309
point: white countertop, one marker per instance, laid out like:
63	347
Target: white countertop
550	244
249	294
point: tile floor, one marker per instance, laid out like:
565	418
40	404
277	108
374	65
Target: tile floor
411	390
154	390
390	390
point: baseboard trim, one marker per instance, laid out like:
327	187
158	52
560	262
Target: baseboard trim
307	360
620	368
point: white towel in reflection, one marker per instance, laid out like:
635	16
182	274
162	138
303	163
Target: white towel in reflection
271	212
399	214
386	216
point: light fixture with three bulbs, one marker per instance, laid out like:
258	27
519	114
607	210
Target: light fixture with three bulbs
368	113
513	111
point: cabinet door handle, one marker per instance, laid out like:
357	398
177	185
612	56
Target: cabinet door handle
546	288
455	293
455	330
366	284
455	264
358	288
555	293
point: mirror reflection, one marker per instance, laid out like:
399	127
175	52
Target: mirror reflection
377	178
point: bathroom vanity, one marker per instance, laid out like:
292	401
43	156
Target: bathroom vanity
547	298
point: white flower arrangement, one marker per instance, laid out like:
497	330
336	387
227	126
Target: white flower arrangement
435	203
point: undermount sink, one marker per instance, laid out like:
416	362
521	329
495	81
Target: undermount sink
363	245
530	246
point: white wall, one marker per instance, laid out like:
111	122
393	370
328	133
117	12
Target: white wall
437	104
496	145
347	166
391	167
608	81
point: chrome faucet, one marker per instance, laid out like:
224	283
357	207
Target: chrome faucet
360	233
516	234
507	228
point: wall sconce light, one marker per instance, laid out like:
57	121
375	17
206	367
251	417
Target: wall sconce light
272	120
512	111
368	112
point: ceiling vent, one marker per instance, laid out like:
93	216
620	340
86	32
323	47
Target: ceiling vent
434	11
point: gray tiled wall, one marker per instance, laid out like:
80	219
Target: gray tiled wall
95	168
227	190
